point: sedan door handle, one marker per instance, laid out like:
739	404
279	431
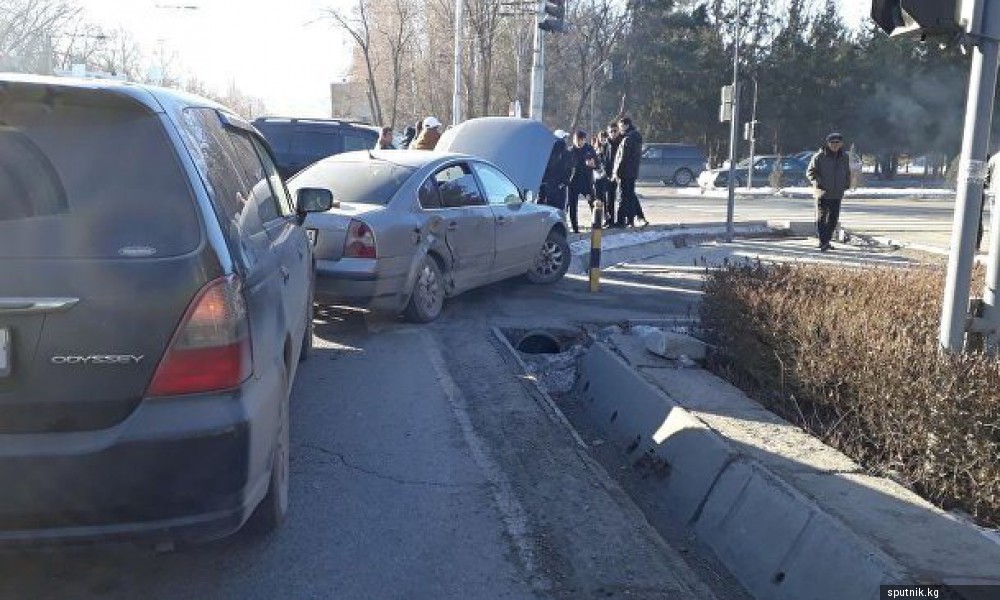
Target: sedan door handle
453	226
502	220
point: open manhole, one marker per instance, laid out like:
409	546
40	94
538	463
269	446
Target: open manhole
539	342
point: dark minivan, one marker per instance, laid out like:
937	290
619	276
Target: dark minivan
671	164
155	298
298	143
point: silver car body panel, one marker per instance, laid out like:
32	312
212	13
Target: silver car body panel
475	245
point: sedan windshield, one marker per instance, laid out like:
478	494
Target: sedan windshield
368	182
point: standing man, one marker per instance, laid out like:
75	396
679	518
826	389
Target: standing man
607	157
582	177
626	171
428	137
555	180
829	173
385	140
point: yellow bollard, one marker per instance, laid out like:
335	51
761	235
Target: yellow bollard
595	246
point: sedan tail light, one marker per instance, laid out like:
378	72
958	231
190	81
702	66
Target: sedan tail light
360	242
210	350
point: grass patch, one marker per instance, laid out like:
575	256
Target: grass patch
851	355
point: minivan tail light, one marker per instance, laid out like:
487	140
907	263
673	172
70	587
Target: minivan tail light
210	350
360	242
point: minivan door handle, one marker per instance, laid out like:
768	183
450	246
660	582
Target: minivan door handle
36	305
285	273
453	226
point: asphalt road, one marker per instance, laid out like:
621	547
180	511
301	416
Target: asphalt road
423	467
926	222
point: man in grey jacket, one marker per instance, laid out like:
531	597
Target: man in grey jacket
830	175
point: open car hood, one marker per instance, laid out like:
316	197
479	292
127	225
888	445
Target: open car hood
520	147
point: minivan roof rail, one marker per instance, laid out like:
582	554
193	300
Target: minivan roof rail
311	120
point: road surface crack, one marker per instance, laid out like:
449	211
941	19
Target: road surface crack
340	458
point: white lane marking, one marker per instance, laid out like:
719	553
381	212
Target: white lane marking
514	517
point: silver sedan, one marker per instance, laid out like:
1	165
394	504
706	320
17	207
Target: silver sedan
410	228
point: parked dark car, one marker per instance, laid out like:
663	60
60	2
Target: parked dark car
793	173
155	299
298	143
672	164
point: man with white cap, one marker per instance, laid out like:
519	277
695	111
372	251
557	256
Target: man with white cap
829	173
429	135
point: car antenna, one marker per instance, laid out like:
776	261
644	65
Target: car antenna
370	155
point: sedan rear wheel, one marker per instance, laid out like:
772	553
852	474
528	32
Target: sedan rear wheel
552	261
427	298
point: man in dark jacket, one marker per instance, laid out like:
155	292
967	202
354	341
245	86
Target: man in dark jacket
555	180
582	178
829	173
626	171
607	156
408	136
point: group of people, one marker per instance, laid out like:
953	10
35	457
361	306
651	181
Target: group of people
424	135
597	169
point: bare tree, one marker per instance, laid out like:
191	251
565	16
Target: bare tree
396	29
121	55
28	29
358	24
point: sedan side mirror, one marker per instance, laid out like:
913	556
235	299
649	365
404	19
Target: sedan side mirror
310	200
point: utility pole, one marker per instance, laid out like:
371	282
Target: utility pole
537	94
752	135
456	96
984	25
734	125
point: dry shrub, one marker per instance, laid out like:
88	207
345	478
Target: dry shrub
852	356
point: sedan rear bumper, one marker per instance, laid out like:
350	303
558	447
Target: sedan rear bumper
361	282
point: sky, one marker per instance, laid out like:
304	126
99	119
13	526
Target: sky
272	49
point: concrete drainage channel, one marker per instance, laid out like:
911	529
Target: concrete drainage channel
720	475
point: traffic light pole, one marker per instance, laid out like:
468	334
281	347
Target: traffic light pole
457	95
734	127
537	99
971	174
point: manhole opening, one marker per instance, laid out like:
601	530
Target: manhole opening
539	342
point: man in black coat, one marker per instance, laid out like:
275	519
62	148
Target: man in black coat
582	178
607	156
829	173
555	181
626	171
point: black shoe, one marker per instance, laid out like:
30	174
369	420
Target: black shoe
830	247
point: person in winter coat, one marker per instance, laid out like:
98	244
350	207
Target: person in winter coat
385	140
626	171
555	181
581	180
429	136
607	156
408	136
829	173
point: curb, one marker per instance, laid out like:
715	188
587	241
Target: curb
626	247
788	516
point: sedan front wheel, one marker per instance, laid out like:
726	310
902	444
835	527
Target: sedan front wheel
552	261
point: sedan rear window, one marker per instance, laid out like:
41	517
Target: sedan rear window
87	175
368	182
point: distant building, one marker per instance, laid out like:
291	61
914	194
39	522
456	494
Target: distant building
349	100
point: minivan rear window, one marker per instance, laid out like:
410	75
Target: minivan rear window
84	174
368	182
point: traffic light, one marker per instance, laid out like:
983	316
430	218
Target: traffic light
555	16
919	17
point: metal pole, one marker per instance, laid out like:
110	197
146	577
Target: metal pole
734	124
456	97
753	135
971	173
537	101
